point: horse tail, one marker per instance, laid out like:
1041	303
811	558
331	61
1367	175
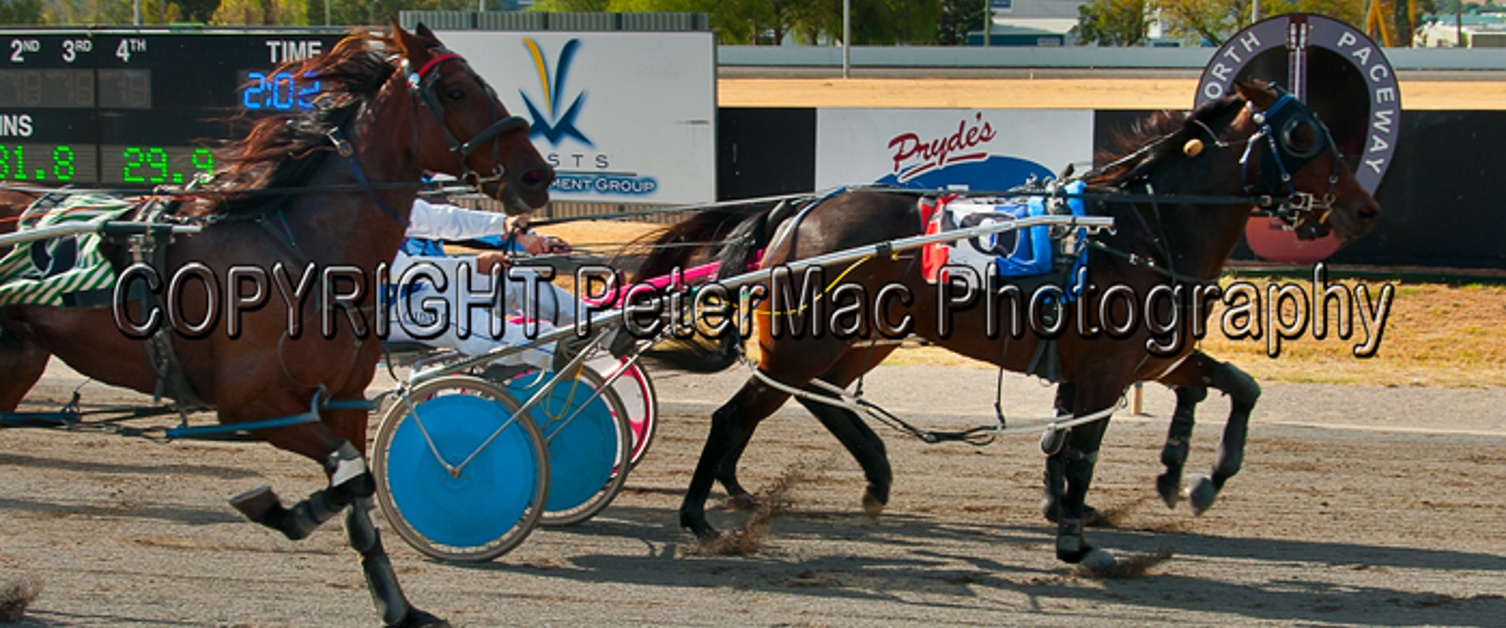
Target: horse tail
737	234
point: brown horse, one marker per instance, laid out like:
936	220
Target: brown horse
330	189
1180	204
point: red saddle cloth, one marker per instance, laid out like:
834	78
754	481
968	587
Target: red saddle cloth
933	257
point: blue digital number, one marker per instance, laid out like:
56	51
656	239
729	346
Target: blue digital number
284	94
253	97
307	93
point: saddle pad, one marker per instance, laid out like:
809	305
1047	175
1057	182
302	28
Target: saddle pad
1026	252
48	271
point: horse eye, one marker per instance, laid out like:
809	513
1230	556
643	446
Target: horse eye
455	94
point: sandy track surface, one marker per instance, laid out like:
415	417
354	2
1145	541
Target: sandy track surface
1357	505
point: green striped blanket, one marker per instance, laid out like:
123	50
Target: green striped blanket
44	272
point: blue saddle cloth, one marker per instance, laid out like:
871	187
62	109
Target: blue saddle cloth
1023	252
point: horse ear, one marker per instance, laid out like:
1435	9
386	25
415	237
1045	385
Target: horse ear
1256	92
409	44
424	32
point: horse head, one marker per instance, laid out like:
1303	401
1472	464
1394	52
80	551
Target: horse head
1292	154
485	146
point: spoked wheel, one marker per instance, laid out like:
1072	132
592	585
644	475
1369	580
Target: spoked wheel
636	391
588	440
459	478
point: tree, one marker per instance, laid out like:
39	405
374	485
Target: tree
958	18
20	12
261	13
874	22
1211	21
1214	21
1111	23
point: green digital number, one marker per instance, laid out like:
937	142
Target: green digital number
62	163
142	166
134	159
4	162
203	160
156	158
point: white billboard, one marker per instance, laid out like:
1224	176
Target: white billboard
624	117
962	149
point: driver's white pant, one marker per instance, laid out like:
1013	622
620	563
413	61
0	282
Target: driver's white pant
416	314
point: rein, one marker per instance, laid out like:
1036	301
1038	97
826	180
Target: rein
422	85
1291	208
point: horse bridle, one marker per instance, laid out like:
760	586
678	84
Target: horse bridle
423	84
1278	125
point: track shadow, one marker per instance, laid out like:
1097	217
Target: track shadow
932	564
189	516
38	462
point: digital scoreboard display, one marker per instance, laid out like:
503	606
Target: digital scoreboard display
140	107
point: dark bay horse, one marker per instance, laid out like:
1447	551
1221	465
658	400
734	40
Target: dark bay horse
1180	205
327	189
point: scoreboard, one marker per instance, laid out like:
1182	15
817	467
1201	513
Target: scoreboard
139	107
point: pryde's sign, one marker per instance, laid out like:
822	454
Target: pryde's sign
962	149
1337	71
914	156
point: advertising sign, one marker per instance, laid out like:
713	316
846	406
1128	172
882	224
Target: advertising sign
624	117
961	149
1343	76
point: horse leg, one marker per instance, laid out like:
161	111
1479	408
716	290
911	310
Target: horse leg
22	363
1178	443
1243	393
865	446
732	426
1052	444
1077	459
351	487
1191	381
726	474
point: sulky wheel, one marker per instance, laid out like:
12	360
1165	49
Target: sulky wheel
459	478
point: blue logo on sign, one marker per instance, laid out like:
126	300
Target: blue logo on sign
557	126
995	173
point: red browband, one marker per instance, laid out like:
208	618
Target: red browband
436	61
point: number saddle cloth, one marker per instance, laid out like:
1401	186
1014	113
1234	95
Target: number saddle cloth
1033	259
66	270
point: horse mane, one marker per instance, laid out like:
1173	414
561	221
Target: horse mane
1159	136
285	150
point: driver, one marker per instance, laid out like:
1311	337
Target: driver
429	224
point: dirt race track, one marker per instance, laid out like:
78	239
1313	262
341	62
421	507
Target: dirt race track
1357	506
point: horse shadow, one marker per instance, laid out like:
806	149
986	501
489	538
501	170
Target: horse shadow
931	564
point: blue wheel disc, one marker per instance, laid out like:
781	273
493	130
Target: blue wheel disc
582	453
492	492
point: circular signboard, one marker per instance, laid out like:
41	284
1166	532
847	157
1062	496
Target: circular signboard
1343	76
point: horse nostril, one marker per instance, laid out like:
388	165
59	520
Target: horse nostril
537	178
1368	211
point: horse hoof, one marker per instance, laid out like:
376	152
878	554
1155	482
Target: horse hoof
420	619
872	506
1097	559
1170	488
1048	509
1201	494
742	502
702	530
257	504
